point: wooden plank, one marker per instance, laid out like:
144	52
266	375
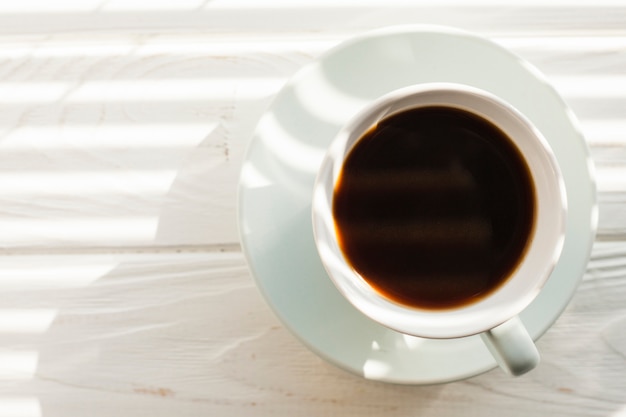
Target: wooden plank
189	334
224	17
132	141
100	158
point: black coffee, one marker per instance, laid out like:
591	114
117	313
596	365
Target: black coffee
434	207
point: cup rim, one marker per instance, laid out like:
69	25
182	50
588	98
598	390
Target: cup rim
468	319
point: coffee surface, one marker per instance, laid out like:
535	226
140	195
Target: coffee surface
434	207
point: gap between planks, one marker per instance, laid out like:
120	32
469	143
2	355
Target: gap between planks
185	249
122	250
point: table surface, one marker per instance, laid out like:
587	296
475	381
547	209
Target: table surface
124	290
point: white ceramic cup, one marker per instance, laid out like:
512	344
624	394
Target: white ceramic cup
494	317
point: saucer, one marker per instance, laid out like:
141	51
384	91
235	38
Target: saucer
288	146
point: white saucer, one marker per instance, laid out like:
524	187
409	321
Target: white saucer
282	160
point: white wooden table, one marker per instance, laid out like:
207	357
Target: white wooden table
123	289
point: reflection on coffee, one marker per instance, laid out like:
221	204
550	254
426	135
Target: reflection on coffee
434	207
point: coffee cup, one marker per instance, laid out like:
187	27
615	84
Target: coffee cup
439	211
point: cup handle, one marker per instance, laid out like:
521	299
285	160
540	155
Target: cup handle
512	347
